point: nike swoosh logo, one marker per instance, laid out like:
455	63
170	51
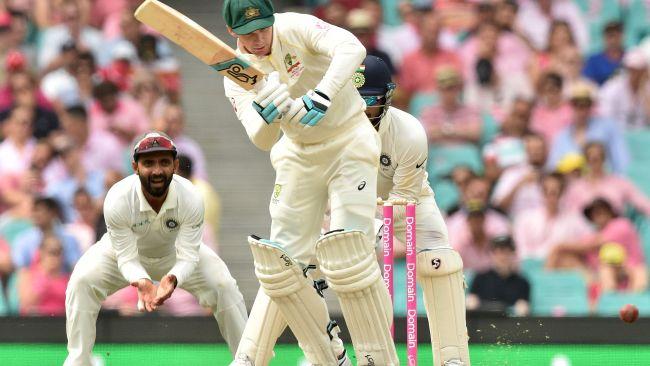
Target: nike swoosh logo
417	166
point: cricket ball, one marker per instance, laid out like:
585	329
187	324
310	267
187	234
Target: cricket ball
629	313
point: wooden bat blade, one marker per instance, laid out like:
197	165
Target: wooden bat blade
198	41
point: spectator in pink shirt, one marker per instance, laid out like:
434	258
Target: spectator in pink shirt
41	287
117	113
559	38
505	51
94	143
86	216
536	231
552	112
149	93
421	67
470	232
6	266
18	82
583	252
597	182
518	188
173	124
18	145
451	122
507	148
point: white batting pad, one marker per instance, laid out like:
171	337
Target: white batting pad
265	324
284	281
440	273
350	266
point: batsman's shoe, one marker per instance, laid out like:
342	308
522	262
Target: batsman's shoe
454	363
344	360
242	360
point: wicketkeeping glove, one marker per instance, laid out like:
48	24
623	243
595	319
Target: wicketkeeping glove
310	109
272	99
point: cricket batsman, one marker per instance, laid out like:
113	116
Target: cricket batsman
154	220
403	176
328	151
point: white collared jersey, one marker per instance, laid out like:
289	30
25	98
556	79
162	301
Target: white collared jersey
308	54
403	160
135	229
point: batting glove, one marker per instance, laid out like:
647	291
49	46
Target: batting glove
272	99
310	109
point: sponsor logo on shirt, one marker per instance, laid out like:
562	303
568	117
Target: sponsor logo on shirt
277	190
140	224
293	65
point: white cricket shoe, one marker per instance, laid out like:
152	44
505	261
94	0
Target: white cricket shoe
242	360
454	363
343	361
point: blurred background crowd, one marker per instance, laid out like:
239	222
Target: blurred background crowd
537	114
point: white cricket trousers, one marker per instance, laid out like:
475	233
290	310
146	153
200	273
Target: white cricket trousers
96	276
342	169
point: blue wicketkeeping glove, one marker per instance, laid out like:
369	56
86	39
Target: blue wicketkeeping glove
272	99
309	109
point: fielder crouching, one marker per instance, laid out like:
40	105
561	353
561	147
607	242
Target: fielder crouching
403	176
154	220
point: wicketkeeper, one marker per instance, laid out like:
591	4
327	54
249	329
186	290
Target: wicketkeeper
403	176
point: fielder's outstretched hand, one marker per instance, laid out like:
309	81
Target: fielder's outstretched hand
165	289
146	294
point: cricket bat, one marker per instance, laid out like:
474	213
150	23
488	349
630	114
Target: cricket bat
199	42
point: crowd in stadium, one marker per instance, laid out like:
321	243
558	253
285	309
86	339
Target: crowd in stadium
537	114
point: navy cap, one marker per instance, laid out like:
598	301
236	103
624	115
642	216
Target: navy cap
373	77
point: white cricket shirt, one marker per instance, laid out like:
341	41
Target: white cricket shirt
403	160
135	229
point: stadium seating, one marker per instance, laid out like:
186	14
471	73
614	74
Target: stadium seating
4	307
598	14
443	159
637	141
531	266
420	101
559	293
447	194
610	302
636	22
12	295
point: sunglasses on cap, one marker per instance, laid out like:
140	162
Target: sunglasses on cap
374	100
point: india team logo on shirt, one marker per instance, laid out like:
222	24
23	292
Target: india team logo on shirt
171	224
385	160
